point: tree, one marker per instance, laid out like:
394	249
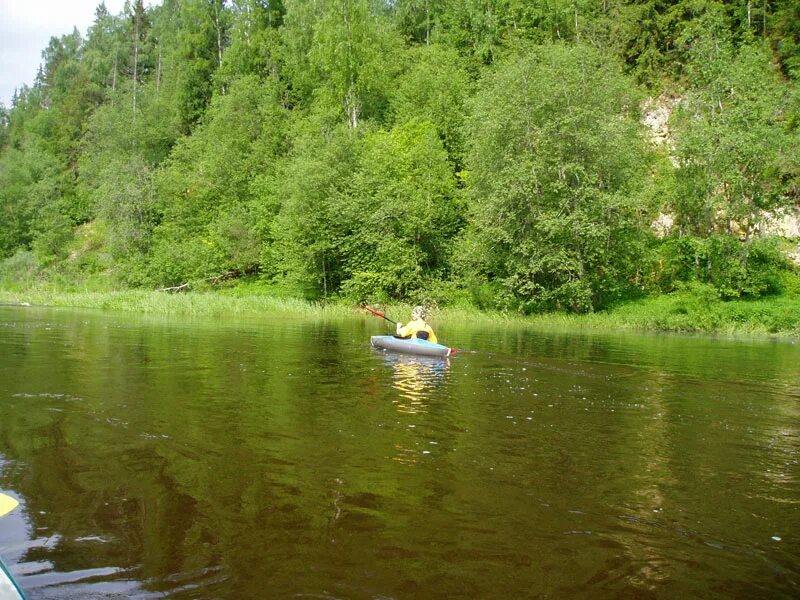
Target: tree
29	184
402	214
474	28
201	41
4	125
140	24
435	88
416	19
736	151
307	252
255	40
105	52
554	175
120	154
339	56
784	31
67	99
209	188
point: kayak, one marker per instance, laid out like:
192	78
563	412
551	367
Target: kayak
410	346
9	590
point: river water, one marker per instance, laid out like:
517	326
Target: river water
284	458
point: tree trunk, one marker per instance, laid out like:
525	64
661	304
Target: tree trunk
352	106
158	71
324	278
136	25
218	26
135	71
427	24
114	80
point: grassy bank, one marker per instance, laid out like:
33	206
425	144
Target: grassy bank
691	310
201	304
681	313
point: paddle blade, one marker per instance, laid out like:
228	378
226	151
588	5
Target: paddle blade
377	313
7	504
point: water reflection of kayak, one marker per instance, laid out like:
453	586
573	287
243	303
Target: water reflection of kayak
9	590
410	346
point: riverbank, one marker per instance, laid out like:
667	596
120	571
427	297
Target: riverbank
694	310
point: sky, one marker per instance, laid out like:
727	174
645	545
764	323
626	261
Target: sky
26	27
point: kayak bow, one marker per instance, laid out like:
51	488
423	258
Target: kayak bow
9	589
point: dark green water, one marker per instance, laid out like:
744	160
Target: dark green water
270	458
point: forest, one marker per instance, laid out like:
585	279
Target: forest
492	153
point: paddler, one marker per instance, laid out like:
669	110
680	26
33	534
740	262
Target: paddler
417	327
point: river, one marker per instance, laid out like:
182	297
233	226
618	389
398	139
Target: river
284	458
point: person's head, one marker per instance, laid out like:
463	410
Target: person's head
419	312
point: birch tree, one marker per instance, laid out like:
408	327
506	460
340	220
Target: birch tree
345	53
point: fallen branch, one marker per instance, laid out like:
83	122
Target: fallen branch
223	276
212	280
176	288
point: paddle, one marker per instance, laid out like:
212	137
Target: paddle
379	314
7	504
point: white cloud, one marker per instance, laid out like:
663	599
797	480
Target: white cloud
26	27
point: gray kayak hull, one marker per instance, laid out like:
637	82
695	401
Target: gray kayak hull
9	590
410	346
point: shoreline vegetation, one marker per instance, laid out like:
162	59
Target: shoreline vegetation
615	165
687	311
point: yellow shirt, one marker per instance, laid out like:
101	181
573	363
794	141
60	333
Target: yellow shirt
412	327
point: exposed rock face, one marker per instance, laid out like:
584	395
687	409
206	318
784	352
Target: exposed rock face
794	255
663	224
656	114
784	222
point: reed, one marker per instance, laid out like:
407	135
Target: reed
686	311
209	304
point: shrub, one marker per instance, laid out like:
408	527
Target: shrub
735	269
21	269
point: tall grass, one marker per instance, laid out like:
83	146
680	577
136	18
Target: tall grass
210	304
696	309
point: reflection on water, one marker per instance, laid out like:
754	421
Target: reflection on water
416	379
181	458
35	556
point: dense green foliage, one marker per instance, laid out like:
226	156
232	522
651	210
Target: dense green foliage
556	177
490	152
